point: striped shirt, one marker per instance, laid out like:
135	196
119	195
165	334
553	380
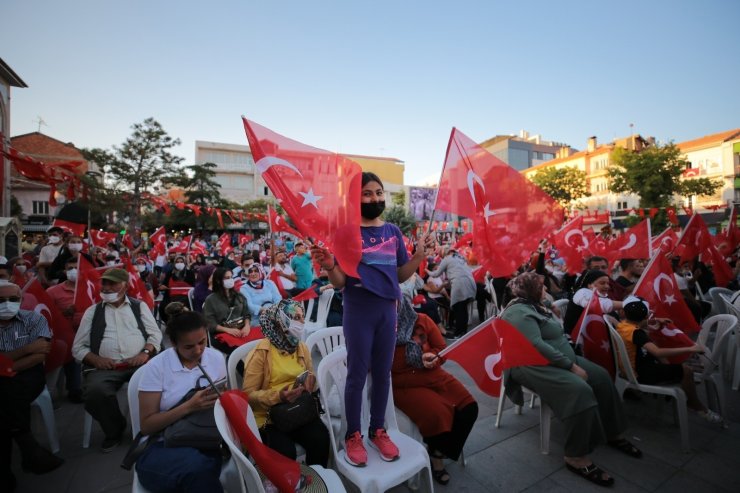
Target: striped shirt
23	329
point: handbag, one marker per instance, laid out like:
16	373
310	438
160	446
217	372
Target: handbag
197	430
289	416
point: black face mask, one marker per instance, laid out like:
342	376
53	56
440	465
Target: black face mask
371	210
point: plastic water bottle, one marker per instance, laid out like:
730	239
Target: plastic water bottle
269	487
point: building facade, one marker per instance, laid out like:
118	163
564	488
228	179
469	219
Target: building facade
8	79
524	151
717	157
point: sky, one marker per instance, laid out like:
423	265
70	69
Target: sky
378	77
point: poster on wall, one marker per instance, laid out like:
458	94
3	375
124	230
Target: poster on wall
421	204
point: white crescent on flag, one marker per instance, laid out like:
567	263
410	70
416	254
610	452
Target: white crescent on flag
268	162
670	298
490	363
472	179
670	332
41	308
631	242
584	240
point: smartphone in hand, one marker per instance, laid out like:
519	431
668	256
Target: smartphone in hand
301	379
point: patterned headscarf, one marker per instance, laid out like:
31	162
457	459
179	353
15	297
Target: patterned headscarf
276	319
405	333
527	288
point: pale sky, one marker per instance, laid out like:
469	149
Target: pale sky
375	77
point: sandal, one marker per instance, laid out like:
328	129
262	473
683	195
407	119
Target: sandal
626	447
440	475
593	473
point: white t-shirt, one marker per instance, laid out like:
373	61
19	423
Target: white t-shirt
49	253
582	298
166	374
437	282
285	269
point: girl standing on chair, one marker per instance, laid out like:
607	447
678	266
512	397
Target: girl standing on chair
369	318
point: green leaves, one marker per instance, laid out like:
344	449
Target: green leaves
401	217
565	185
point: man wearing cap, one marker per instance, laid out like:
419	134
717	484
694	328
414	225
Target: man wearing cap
115	337
24	344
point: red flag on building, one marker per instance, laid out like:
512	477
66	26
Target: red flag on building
158	240
70	227
572	244
633	244
319	190
511	214
489	349
100	238
658	287
36	299
592	334
136	286
87	289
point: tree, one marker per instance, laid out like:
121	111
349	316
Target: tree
565	185
401	217
15	207
399	198
654	174
200	189
142	164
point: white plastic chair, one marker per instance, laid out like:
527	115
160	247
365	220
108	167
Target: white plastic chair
324	301
44	404
545	416
562	305
491	306
377	475
251	481
235	380
716	343
323	342
190	298
630	382
731	360
718	306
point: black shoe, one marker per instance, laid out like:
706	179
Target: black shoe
110	444
41	461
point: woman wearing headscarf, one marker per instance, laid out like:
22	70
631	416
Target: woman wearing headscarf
175	285
227	314
580	393
260	292
462	288
594	281
434	400
202	288
270	373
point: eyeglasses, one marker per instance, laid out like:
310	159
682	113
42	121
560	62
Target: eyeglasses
12	299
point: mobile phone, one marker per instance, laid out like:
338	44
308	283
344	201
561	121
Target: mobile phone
301	379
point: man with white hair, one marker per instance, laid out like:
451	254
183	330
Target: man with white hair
24	343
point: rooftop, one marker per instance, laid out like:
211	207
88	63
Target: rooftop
709	140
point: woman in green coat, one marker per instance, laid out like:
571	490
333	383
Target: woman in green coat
580	393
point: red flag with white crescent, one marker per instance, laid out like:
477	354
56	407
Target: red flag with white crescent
489	349
36	299
633	244
670	336
572	244
592	334
87	289
158	240
101	238
136	286
665	241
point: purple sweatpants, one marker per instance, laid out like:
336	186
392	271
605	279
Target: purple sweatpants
369	325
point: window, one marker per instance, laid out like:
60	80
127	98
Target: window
40	207
266	191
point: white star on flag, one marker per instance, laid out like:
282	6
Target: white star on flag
605	345
487	212
310	198
670	299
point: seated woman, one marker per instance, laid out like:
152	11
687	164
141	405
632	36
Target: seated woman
166	380
649	361
202	288
176	285
226	312
580	393
259	292
270	372
592	280
435	401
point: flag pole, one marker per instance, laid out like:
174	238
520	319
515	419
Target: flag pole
650	238
470	333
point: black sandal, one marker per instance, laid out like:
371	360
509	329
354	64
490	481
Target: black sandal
593	473
441	476
626	447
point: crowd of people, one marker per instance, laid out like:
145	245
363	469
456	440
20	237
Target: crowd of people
397	316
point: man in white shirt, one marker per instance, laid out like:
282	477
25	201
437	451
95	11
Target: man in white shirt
116	336
285	272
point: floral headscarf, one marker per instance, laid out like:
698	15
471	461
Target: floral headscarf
276	319
405	333
527	288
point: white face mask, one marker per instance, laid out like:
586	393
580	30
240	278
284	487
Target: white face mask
21	268
75	247
53	240
140	267
295	330
72	275
109	297
9	309
229	283
179	266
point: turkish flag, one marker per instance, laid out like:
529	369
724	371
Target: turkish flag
101	238
464	241
592	334
178	288
36	299
6	367
278	223
307	294
70	227
244	239
720	268
158	240
87	289
733	232
489	349
511	214
137	287
665	241
572	244
283	472
694	239
224	244
658	287
670	336
183	246
319	190
275	277
633	244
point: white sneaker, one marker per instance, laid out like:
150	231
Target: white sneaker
711	416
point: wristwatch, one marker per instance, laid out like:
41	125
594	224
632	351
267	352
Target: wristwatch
146	351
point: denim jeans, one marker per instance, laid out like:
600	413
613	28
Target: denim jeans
179	470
